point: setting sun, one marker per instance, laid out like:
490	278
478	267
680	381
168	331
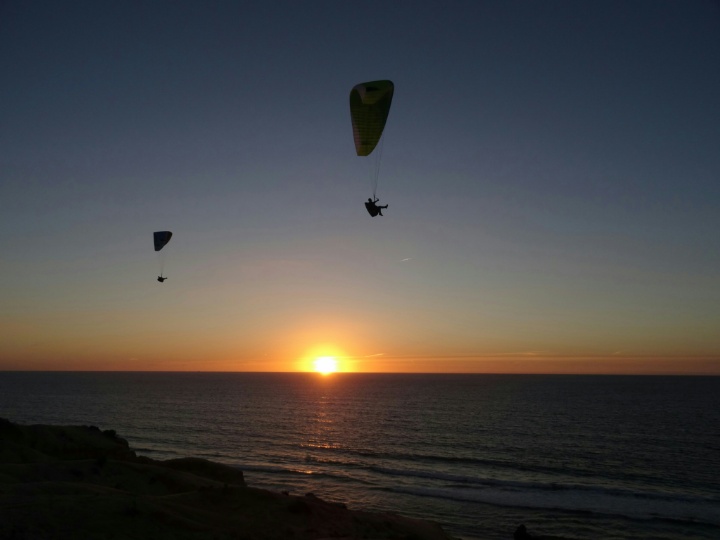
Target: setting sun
325	365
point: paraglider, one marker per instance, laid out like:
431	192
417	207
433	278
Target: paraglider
369	108
373	209
160	239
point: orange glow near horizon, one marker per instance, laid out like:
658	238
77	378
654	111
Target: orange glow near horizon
191	359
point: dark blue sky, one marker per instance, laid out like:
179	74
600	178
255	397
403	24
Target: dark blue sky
552	171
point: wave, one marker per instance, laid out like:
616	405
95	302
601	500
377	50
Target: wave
564	471
295	471
581	499
454	460
151	452
543	486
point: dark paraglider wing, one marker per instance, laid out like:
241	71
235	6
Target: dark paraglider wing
369	108
160	238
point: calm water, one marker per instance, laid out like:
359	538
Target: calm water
572	456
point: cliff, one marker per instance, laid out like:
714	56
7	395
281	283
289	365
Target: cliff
70	482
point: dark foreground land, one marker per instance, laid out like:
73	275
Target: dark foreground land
77	482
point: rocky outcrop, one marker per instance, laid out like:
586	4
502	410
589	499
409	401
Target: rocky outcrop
28	444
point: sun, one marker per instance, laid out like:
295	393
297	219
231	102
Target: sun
325	365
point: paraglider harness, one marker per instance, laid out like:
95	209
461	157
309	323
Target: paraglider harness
372	208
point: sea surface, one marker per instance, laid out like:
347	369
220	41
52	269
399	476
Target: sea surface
578	457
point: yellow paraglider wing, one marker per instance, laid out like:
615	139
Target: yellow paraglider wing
369	108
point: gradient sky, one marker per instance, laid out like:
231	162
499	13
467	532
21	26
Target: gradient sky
552	170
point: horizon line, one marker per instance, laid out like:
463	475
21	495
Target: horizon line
513	374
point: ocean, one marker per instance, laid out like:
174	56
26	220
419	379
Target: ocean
577	457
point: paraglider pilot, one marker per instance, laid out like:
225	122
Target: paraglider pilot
373	209
161	279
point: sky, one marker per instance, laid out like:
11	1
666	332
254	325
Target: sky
552	171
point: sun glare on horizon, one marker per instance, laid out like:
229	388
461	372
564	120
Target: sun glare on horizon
325	365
